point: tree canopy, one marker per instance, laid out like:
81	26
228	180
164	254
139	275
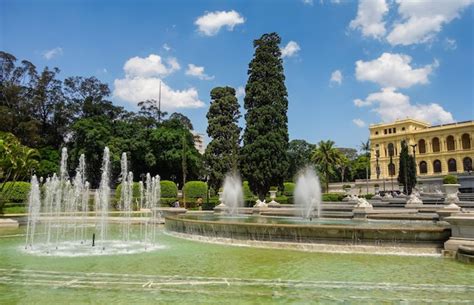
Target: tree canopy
222	151
264	159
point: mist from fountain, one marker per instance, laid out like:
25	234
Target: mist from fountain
308	193
232	193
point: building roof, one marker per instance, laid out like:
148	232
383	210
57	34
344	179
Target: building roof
400	122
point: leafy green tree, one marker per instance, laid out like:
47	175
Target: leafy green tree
264	159
299	155
151	113
185	121
407	169
167	143
222	151
326	156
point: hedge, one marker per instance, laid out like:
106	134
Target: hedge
136	191
195	189
333	197
246	189
168	189
288	188
15	192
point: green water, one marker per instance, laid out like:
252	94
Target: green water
187	272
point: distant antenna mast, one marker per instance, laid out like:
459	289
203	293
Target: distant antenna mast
159	105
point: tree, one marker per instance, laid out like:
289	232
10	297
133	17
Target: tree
185	121
264	160
150	111
407	169
222	151
326	156
365	148
299	155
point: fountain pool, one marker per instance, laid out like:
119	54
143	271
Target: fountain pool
186	271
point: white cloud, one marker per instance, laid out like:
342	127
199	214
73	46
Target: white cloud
393	70
369	19
307	2
422	20
50	54
166	47
359	123
291	49
198	72
391	105
152	65
450	44
211	23
336	77
240	92
142	81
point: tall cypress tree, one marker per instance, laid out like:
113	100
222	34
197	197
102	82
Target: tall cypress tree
406	169
222	152
264	159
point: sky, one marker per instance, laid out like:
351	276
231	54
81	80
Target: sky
347	64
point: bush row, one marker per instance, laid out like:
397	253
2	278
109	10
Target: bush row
15	192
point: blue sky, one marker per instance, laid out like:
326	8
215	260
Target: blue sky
387	59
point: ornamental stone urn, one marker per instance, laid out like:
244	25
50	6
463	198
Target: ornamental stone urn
221	207
272	197
451	200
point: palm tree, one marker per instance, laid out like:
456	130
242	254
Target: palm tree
326	156
365	148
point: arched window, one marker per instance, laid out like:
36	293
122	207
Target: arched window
452	165
450	143
423	167
435	143
391	169
437	166
466	141
421	146
467	164
391	150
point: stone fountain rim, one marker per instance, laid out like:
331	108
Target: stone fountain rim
306	226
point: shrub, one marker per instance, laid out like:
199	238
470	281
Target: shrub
247	192
368	196
333	197
195	189
168	189
450	179
346	186
288	188
273	188
15	192
167	201
376	185
136	191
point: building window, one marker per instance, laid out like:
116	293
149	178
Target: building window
376	133
435	144
450	142
385	131
466	141
394	130
452	168
422	146
390	130
391	169
467	164
403	128
391	150
423	167
437	166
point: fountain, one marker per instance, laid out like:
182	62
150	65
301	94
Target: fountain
308	193
62	211
232	193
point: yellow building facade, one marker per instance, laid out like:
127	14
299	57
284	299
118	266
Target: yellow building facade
439	150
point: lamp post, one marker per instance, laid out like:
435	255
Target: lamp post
413	146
